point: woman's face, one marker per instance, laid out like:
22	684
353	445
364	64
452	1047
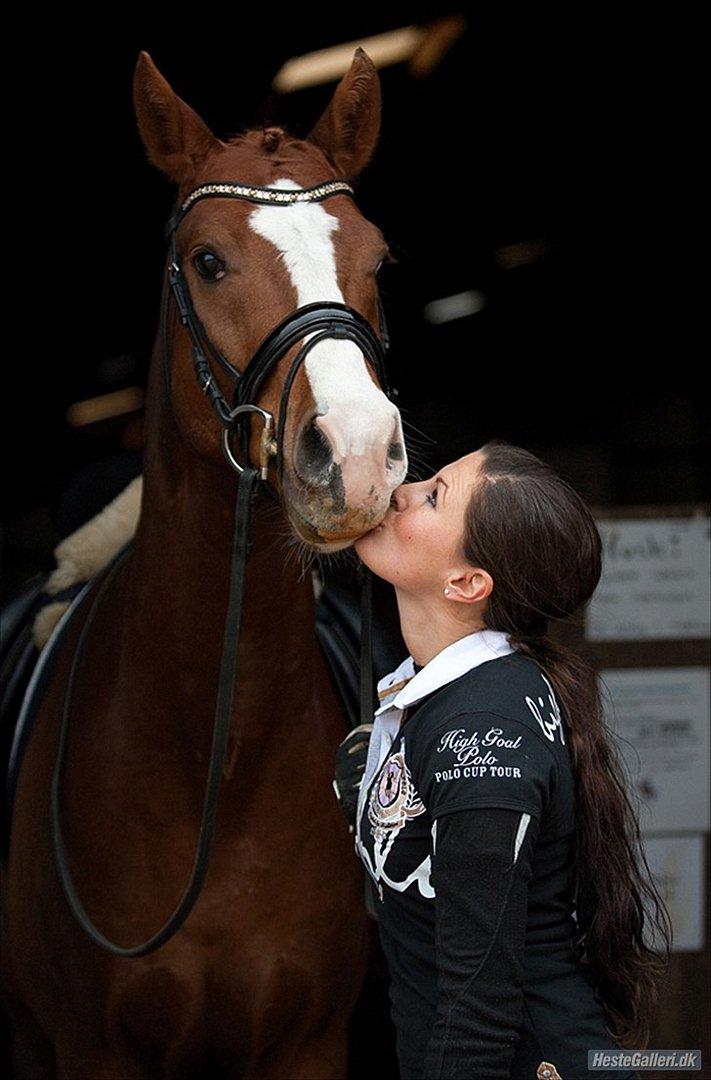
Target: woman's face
417	546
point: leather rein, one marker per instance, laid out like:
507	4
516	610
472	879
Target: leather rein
327	319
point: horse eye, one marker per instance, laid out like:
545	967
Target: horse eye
387	260
208	265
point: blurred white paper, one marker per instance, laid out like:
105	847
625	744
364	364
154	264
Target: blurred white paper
677	866
662	717
655	581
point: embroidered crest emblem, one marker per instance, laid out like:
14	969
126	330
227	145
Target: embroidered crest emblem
546	1071
393	798
391	803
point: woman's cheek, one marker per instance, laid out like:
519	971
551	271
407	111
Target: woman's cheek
412	535
406	531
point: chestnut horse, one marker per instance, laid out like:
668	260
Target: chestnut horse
263	975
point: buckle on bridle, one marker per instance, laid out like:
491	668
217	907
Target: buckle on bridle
267	442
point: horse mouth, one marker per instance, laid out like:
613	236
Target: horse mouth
333	535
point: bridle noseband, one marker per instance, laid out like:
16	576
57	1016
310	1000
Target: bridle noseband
322	319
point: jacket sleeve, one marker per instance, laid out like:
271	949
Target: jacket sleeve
480	759
480	871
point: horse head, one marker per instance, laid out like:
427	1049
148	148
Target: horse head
248	267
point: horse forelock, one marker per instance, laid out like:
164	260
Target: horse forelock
254	155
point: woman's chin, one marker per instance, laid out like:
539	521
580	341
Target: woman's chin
364	542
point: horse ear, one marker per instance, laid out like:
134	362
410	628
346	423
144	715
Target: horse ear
175	138
347	133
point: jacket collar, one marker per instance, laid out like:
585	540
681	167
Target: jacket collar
403	687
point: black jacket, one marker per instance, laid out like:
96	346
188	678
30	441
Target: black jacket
466	832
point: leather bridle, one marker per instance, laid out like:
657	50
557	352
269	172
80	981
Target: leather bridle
322	319
327	319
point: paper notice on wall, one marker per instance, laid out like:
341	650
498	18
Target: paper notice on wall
677	866
655	581
661	716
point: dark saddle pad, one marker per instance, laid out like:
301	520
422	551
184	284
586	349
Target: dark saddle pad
24	671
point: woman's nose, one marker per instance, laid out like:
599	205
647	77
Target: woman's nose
397	499
400	496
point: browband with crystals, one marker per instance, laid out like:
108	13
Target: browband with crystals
255	193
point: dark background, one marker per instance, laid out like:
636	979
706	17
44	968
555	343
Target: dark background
556	134
567	135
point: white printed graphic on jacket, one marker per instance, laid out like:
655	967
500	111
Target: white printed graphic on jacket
393	802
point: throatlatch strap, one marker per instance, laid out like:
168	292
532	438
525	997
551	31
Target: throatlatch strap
241	547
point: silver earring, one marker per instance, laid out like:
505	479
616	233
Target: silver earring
446	592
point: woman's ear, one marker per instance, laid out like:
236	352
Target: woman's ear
469	586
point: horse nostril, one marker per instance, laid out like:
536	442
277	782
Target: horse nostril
313	454
396	451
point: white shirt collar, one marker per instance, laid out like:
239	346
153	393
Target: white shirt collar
403	687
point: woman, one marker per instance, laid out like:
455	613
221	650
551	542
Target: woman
492	817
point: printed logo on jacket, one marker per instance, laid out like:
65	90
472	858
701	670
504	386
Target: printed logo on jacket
475	756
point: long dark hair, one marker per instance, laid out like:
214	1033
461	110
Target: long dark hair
537	538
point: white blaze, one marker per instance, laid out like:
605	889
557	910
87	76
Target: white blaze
336	370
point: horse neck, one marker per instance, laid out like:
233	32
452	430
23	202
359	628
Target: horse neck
178	579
